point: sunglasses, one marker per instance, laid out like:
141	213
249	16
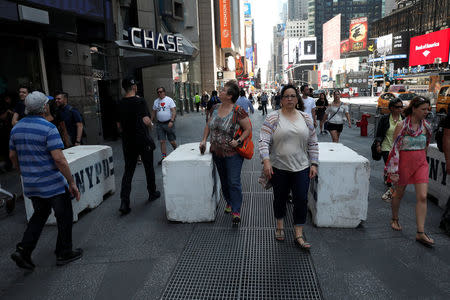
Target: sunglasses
398	106
160	92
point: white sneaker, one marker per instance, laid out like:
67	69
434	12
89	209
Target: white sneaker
387	196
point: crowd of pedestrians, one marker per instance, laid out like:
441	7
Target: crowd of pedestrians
288	149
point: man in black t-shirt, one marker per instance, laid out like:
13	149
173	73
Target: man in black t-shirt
134	122
19	109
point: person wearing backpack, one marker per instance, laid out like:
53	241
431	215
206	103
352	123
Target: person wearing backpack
445	220
71	117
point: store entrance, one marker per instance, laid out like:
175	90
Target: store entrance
108	109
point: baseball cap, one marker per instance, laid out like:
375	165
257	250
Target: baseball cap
128	82
34	101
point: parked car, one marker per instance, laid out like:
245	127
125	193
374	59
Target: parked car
443	99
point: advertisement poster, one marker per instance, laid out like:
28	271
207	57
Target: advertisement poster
400	43
358	34
239	67
307	49
292	54
424	49
384	44
247	10
332	39
225	24
345	46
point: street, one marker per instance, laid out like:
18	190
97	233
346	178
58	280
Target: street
143	256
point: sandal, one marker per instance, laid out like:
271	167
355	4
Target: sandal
279	234
305	245
426	242
394	222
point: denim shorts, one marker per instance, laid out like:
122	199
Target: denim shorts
164	132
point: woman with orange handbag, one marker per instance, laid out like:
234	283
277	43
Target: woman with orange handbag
228	161
290	153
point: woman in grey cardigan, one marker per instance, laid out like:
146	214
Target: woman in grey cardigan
289	150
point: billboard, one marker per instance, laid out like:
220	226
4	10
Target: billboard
280	29
248	25
345	46
358	34
331	39
384	44
425	48
247	10
307	48
292	52
400	42
225	24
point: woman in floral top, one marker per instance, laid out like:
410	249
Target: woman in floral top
223	146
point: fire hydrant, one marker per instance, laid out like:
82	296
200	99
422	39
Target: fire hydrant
363	123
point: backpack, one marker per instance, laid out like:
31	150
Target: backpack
439	134
246	149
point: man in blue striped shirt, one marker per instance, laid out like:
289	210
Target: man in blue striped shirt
36	150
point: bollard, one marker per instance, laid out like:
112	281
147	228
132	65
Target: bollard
363	123
180	106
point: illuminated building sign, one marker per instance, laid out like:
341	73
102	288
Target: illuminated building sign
141	38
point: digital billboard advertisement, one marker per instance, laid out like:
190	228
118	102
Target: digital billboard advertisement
384	44
358	34
332	39
307	48
400	43
292	52
424	49
247	10
225	24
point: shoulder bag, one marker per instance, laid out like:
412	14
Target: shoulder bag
246	148
325	126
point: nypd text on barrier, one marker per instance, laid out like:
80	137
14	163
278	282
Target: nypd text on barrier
155	41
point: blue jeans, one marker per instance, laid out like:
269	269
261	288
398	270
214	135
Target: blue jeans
229	169
285	181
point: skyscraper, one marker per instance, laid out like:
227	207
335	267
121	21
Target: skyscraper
297	9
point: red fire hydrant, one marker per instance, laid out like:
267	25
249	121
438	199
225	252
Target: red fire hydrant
363	123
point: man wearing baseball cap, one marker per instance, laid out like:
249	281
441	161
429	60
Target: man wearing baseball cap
36	149
134	123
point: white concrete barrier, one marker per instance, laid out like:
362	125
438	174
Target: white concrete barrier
191	185
439	184
338	196
93	170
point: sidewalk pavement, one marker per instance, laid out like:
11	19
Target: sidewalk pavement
137	255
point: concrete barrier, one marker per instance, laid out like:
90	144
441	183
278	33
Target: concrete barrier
191	185
439	184
93	170
338	196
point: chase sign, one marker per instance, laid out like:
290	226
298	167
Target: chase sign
142	38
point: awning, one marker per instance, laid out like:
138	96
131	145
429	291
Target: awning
140	57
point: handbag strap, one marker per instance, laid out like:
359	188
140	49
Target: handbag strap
335	112
234	120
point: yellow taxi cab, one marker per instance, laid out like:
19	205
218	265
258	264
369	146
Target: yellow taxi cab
443	99
383	100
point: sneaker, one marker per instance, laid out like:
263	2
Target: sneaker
124	209
155	195
387	196
228	209
69	257
22	260
236	218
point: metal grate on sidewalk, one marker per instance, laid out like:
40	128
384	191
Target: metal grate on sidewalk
244	262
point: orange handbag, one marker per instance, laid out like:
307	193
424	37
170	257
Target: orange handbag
246	148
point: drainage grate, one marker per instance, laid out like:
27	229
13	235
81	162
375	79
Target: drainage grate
242	264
